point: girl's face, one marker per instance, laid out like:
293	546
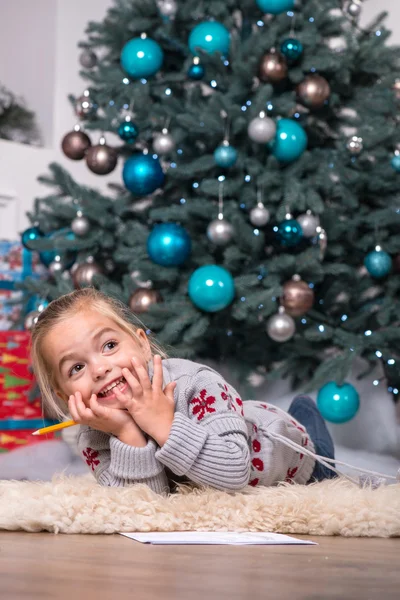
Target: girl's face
87	353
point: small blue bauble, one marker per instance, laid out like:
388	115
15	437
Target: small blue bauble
196	72
290	140
289	232
292	49
169	244
68	257
211	37
225	156
211	288
378	263
128	131
142	174
141	57
338	403
33	233
396	162
36	303
275	7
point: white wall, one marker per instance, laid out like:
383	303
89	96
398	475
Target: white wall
39	58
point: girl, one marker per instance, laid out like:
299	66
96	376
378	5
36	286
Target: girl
158	421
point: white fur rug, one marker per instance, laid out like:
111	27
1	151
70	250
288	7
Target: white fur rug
80	505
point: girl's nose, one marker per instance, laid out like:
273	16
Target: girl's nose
101	369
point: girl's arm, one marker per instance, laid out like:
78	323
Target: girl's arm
208	441
117	463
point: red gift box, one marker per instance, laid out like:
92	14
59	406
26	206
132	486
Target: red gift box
19	416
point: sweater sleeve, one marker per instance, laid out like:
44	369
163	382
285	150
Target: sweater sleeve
116	464
209	444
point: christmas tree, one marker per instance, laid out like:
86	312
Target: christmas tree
258	217
17	123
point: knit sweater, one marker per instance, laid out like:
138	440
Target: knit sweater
216	439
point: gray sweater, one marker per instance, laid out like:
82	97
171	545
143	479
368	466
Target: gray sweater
215	440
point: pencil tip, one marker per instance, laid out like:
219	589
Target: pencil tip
35	433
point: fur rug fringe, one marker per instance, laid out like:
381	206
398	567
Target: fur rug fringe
80	505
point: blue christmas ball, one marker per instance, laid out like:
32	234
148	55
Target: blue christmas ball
128	131
142	174
292	49
211	288
225	155
36	303
275	7
141	57
67	256
289	232
290	141
169	244
211	37
29	235
338	403
196	72
396	162
378	263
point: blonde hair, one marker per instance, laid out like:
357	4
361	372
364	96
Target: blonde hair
58	311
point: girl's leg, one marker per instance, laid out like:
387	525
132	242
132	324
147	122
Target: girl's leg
304	410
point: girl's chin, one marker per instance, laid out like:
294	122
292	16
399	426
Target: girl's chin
110	403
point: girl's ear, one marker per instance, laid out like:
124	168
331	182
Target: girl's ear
145	343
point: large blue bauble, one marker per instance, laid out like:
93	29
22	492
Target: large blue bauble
338	403
378	263
68	257
128	131
141	57
396	162
290	140
211	37
292	49
211	288
33	233
225	156
289	232
275	7
169	244
142	174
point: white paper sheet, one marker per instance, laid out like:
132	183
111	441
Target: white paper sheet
215	537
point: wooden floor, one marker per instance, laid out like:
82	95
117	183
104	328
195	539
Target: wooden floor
112	567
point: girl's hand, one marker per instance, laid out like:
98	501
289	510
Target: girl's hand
151	407
102	418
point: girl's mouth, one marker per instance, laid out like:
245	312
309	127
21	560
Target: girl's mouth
109	392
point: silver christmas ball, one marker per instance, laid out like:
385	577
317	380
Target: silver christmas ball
85	108
80	226
167	8
57	266
281	327
354	9
87	58
309	224
220	232
355	145
259	216
85	272
163	143
261	130
31	319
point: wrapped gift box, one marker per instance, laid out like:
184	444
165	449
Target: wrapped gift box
16	263
19	416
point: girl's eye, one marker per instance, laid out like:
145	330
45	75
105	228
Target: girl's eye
75	369
110	345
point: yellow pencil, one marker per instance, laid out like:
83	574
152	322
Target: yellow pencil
54	427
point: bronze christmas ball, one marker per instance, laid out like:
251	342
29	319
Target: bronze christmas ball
75	144
396	89
273	67
141	299
101	159
313	91
297	297
84	273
